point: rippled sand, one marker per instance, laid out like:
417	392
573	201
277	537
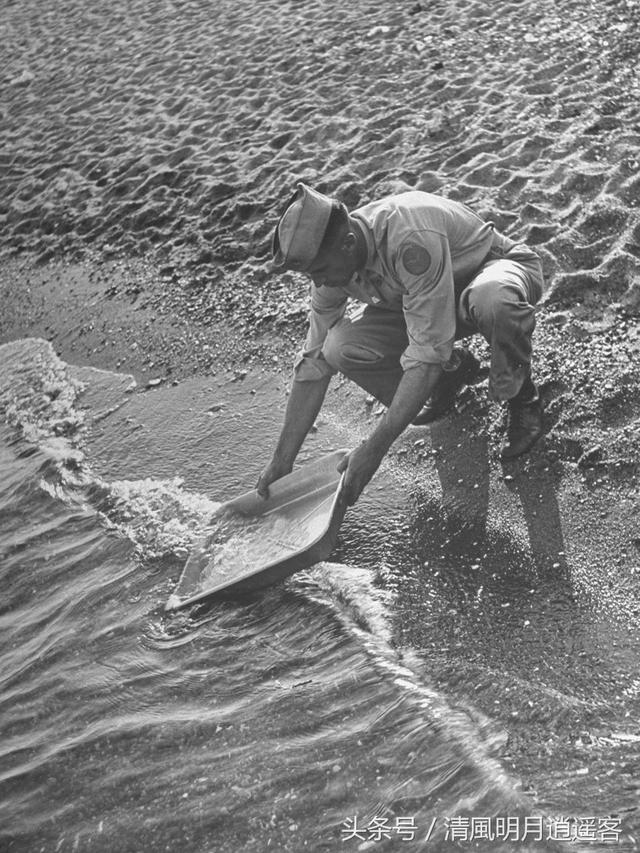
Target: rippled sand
175	132
182	127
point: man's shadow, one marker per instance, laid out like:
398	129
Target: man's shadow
461	459
464	462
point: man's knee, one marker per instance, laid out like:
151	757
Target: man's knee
497	302
344	352
333	344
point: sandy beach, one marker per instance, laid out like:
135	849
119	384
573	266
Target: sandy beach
146	150
172	139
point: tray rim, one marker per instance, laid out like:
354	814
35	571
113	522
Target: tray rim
173	604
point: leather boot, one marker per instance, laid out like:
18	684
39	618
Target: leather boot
447	387
524	424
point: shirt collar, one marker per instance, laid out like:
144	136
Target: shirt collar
368	238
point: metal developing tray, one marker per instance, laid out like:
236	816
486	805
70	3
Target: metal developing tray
252	543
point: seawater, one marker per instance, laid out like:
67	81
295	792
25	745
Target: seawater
236	542
282	721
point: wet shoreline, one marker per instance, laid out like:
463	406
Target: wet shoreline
536	627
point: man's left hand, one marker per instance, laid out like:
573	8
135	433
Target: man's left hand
415	387
360	466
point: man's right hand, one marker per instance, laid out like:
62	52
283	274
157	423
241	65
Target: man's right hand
274	470
305	400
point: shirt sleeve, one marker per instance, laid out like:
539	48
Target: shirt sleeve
424	268
327	307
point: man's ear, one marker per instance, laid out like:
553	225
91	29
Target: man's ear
349	242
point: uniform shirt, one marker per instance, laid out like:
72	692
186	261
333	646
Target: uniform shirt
422	251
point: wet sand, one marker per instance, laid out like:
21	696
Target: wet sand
146	152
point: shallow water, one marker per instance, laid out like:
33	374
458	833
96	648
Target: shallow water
238	543
265	723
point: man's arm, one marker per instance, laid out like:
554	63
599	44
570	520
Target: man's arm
308	389
415	387
305	401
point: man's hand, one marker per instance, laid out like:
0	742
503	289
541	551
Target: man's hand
360	466
274	470
415	386
305	400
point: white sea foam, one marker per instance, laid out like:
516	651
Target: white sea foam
159	516
38	397
365	611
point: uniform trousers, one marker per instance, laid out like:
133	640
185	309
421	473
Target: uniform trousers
498	303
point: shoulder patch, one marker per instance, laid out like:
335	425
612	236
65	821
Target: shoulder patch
415	259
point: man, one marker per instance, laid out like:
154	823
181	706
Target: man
429	271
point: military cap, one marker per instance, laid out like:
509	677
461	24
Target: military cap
301	228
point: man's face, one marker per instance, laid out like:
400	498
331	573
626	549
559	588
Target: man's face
333	267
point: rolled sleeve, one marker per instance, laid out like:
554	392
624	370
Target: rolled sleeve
327	307
425	270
